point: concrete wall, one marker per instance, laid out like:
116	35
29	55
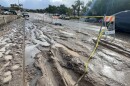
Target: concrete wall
7	18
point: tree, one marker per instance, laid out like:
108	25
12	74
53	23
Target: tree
74	9
62	9
79	3
15	7
84	9
69	11
51	9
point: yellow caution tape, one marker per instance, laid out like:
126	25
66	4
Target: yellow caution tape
89	16
91	55
94	50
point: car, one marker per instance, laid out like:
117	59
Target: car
67	18
91	20
13	12
62	16
25	15
6	13
82	19
122	21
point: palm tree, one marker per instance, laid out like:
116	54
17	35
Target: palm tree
84	9
78	4
74	9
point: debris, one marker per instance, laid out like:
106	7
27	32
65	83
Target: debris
7	73
1	54
7	52
15	67
2	49
7	77
8	57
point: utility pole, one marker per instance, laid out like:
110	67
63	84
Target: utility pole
18	5
18	2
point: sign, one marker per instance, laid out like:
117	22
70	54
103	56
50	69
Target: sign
109	19
110	32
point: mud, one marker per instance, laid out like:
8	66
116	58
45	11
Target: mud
11	61
56	56
62	62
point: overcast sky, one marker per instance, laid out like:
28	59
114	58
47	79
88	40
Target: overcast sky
37	4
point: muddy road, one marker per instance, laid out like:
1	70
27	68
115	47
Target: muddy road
56	55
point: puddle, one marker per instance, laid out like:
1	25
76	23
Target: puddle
30	52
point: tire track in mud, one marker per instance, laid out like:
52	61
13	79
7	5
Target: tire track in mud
53	73
34	39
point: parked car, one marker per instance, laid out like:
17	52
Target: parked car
6	13
64	17
122	22
83	19
67	18
25	15
13	12
91	20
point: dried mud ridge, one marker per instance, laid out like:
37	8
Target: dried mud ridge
56	55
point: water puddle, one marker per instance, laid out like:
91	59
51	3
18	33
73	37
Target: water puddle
30	52
35	39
